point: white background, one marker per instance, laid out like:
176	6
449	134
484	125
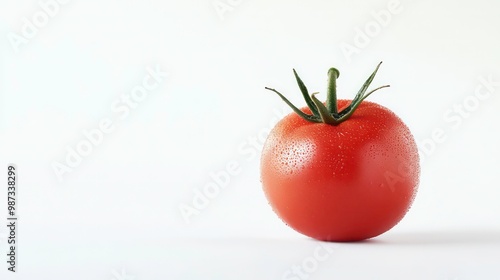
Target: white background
117	215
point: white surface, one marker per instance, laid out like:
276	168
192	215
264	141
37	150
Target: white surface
469	254
119	208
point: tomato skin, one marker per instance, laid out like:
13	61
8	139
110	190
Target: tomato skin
348	182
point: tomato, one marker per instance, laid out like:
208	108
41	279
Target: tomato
344	179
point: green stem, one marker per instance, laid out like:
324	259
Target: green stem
325	115
294	108
329	113
331	91
305	93
354	105
372	91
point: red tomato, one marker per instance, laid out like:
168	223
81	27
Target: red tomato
345	182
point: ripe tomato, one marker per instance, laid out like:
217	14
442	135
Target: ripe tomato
347	181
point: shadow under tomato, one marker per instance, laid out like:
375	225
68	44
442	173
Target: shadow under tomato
365	241
440	237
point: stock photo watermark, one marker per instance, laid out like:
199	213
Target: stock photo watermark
48	9
249	149
202	197
453	119
310	264
455	116
224	7
404	171
121	108
122	275
371	29
12	216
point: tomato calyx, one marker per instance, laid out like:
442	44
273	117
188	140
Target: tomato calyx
328	113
